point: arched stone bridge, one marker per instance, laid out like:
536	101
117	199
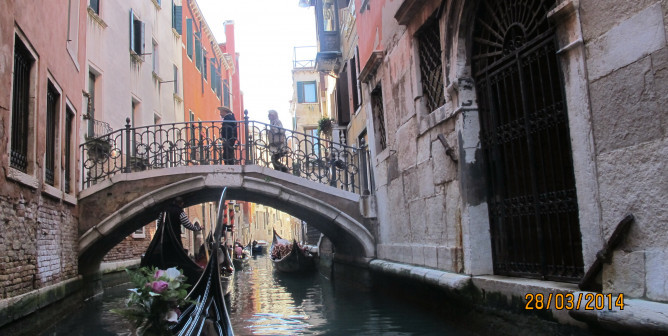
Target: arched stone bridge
115	207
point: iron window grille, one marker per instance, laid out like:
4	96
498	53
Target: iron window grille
431	64
69	117
52	99
23	63
379	116
525	138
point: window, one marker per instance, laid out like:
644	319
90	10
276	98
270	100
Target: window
137	28
214	75
204	68
312	136
52	102
226	93
91	104
176	79
156	64
198	51
306	92
379	117
139	233
328	15
73	29
177	12
21	106
69	120
354	82
431	65
95	6
189	38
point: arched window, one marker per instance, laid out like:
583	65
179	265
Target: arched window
525	137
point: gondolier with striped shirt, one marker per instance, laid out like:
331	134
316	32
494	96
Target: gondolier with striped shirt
177	217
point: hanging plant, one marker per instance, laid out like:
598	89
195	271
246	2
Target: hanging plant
325	126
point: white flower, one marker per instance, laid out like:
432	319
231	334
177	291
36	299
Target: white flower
171	316
172	273
134	290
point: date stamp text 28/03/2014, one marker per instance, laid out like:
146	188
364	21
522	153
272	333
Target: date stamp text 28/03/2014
570	301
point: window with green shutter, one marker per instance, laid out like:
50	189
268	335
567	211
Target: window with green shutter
189	37
177	16
198	51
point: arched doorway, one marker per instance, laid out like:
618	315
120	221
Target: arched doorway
525	137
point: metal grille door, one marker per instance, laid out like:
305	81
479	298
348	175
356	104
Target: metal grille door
525	137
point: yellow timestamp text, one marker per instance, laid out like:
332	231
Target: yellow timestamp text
569	301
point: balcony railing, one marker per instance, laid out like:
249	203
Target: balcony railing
200	143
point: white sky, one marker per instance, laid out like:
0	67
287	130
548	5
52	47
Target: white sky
266	31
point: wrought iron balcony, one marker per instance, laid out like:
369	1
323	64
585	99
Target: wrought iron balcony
205	143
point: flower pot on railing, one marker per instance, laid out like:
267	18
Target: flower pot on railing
98	148
325	127
138	163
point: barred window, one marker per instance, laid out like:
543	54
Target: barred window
69	118
52	101
431	65
379	116
23	64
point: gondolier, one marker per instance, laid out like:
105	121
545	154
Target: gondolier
176	217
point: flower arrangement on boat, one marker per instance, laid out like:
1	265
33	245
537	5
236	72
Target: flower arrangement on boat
153	305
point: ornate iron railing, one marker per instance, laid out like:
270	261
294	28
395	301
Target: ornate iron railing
215	143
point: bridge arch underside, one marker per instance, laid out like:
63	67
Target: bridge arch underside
351	238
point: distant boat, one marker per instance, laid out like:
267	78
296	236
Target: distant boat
260	247
295	261
241	263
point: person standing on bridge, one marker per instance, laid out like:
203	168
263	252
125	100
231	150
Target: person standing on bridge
176	217
277	142
228	132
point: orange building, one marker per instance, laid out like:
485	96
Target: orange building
210	80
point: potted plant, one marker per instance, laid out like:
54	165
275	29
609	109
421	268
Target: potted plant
325	126
97	147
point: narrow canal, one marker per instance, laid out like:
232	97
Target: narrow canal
265	302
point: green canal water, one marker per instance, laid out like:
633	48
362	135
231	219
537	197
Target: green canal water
266	302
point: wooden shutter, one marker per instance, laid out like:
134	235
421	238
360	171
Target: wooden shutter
132	30
189	38
300	92
142	43
176	19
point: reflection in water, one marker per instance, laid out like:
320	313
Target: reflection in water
266	302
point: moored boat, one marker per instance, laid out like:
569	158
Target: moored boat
290	257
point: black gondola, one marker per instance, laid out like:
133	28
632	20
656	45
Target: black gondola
295	261
165	251
208	314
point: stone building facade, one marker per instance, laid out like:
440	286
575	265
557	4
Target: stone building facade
449	167
41	85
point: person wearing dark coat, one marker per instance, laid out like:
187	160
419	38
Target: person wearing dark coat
228	132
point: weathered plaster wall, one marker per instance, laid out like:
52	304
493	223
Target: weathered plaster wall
417	183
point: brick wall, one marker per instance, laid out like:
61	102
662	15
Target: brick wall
132	247
38	244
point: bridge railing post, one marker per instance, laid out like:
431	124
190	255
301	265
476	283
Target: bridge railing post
364	182
128	154
332	164
248	151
